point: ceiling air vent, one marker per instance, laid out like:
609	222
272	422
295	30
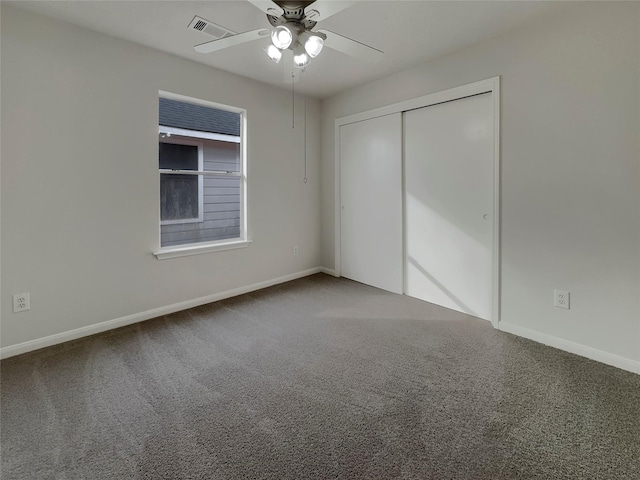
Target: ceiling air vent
205	26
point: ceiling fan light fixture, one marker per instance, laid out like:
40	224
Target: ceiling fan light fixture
313	43
274	53
282	37
300	57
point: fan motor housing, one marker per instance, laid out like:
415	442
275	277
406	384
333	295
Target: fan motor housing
294	11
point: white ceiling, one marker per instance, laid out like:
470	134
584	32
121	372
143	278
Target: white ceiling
409	32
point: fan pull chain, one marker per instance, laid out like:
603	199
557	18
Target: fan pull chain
293	101
304	84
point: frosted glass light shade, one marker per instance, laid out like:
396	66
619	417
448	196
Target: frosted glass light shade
281	37
313	45
274	53
301	59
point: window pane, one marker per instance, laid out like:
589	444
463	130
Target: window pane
178	197
178	157
221	156
221	217
200	118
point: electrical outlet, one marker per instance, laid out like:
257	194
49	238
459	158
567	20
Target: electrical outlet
296	251
21	302
561	299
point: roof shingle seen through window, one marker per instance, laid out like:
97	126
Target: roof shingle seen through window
174	113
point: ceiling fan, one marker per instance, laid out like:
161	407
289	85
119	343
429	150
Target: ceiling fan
292	23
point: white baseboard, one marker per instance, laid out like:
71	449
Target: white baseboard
566	345
31	345
572	347
328	271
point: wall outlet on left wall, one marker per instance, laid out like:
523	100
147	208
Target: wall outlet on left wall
21	302
561	299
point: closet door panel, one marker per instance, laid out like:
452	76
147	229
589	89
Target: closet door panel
449	187
371	228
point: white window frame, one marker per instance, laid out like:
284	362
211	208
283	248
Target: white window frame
180	141
183	132
162	253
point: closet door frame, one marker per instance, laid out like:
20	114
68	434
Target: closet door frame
491	85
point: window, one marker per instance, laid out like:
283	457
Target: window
202	179
181	196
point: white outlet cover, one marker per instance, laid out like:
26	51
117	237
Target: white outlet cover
21	302
561	299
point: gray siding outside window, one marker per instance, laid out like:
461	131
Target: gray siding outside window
221	216
174	113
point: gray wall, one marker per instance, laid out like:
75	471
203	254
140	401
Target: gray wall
80	135
570	167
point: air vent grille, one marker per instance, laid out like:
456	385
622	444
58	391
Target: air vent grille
202	25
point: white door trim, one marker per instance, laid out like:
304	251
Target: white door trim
484	86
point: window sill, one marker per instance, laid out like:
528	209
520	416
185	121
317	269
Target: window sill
174	252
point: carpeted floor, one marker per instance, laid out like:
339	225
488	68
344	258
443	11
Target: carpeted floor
320	378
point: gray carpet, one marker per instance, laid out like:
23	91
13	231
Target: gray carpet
320	378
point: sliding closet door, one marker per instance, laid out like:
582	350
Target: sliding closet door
371	202
449	186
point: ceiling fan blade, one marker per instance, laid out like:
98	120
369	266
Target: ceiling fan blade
268	7
231	41
326	8
351	47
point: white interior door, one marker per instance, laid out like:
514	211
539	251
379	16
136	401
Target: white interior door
449	187
371	202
